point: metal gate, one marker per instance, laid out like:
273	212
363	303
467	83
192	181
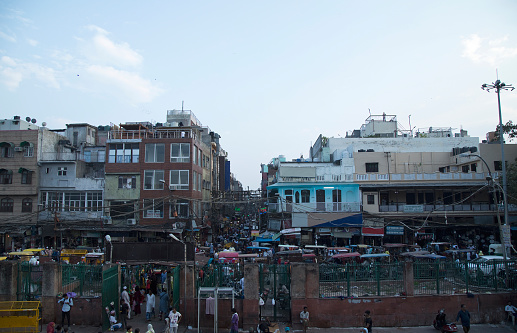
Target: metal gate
29	282
275	291
110	292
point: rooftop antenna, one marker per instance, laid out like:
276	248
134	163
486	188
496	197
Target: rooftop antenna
182	105
410	129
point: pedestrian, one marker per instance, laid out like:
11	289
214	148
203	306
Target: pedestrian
129	329
174	320
137	300
137	330
65	310
167	325
367	321
51	327
464	315
150	302
164	303
511	311
234	328
150	328
124	311
125	296
304	318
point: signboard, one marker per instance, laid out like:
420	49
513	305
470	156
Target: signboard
395	230
506	235
413	208
255	233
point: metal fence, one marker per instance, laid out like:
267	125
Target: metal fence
29	281
429	278
82	279
221	275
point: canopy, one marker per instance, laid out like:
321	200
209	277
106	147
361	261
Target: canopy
414	253
309	255
228	254
346	255
375	255
394	245
258	248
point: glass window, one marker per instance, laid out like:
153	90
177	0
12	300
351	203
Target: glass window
152	179
179	179
127	182
370	199
372	167
94	201
6	176
28	151
7	151
123	153
154	153
180	152
6	205
26	205
181	209
153	208
61	171
306	196
26	176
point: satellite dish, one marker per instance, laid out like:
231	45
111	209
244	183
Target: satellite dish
43	124
27	119
33	120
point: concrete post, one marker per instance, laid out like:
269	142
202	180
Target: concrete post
50	284
8	280
409	281
250	306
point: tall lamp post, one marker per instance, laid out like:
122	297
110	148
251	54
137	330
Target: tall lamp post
493	184
498	86
171	235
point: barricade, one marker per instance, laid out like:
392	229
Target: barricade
23	316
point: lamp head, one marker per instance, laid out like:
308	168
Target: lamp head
108	238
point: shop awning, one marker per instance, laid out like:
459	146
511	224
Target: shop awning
376	232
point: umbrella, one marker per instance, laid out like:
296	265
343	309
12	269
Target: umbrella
71	294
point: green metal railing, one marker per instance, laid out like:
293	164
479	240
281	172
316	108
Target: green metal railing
220	275
29	281
110	293
84	280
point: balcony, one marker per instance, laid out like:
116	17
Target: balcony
412	177
177	133
474	207
314	207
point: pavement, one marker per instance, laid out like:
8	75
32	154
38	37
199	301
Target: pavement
159	327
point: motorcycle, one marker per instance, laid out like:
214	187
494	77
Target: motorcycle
440	323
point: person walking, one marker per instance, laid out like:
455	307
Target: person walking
464	315
164	303
304	319
150	328
124	311
367	321
174	320
234	328
65	310
137	300
149	307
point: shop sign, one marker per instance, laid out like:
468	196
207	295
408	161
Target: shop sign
395	230
413	208
255	233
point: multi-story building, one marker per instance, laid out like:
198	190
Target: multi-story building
411	186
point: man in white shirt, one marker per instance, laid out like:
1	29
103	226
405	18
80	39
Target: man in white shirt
511	310
65	311
174	320
149	308
304	318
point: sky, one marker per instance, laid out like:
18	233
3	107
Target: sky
268	76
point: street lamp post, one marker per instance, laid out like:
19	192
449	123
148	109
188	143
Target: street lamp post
108	239
185	269
498	86
493	184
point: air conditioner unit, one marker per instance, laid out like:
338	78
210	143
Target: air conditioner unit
108	220
131	221
173	187
19	149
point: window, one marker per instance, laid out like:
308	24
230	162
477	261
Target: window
75	201
152	179
180	179
28	151
370	199
181	209
126	181
154	153
199	182
6	205
6	176
124	153
498	166
72	201
465	168
372	167
26	205
26	176
61	171
473	167
153	208
180	152
94	201
194	180
7	150
306	196
122	209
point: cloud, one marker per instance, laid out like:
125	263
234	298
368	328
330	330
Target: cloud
100	49
32	42
13	72
483	50
7	37
133	87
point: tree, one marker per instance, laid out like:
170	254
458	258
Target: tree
509	129
511	181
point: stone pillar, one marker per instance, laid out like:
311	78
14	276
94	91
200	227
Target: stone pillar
8	280
50	286
409	281
304	281
191	277
250	307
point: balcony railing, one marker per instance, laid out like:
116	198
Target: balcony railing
411	177
314	207
186	133
474	207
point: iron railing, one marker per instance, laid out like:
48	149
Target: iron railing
84	280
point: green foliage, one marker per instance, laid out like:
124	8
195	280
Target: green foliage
509	129
511	174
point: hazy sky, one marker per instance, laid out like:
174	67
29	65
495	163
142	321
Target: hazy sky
268	76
